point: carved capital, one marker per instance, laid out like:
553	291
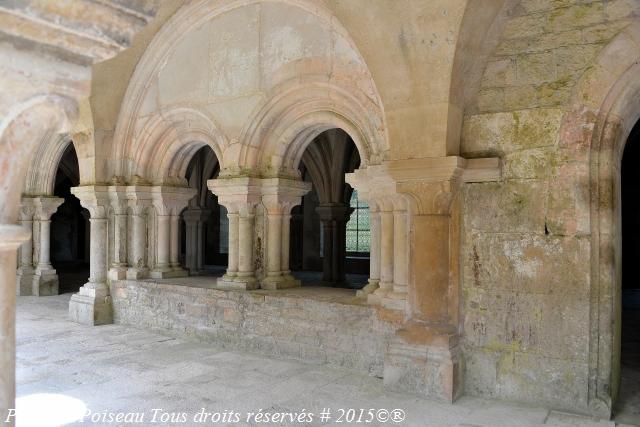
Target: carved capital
46	206
171	200
94	198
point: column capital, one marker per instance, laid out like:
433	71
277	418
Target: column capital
427	185
46	206
118	199
170	200
27	209
280	195
139	197
94	198
238	195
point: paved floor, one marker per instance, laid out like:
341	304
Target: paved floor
65	370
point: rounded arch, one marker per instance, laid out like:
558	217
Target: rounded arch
142	99
32	124
41	175
168	142
280	132
604	107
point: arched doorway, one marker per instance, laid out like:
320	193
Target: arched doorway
330	229
204	224
628	402
69	227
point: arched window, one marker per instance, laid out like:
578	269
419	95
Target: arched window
358	227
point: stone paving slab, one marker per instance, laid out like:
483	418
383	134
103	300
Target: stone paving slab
64	369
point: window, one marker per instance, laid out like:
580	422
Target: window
358	228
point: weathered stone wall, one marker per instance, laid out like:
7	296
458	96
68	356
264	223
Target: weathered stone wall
315	330
526	247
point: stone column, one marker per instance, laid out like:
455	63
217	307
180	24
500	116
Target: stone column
194	219
24	275
118	199
11	236
45	279
279	197
386	251
168	203
239	196
334	218
374	254
92	305
396	297
232	265
139	200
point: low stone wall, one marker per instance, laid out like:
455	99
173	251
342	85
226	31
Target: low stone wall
283	324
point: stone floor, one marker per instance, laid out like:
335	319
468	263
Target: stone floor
65	369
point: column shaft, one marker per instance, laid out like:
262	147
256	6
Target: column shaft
386	251
286	240
245	245
400	252
274	240
98	257
232	265
175	242
164	236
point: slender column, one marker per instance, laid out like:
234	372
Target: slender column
168	203
386	250
245	237
232	267
374	253
400	261
118	198
164	237
334	219
194	219
11	236
175	242
138	268
92	305
45	279
286	240
24	275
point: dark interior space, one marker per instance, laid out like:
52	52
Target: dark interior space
628	405
330	233
69	228
203	226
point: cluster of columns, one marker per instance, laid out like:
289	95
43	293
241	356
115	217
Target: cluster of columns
132	209
245	198
35	274
389	252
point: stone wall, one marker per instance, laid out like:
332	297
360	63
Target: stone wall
273	323
526	247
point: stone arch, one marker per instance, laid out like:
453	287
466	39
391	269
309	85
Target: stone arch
340	87
604	107
286	125
167	144
41	174
32	124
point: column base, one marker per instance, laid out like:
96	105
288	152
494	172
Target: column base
137	273
91	306
280	282
394	300
168	273
425	362
376	297
117	273
24	281
368	289
237	283
45	283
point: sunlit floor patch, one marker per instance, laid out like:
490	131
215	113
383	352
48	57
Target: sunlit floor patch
48	410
